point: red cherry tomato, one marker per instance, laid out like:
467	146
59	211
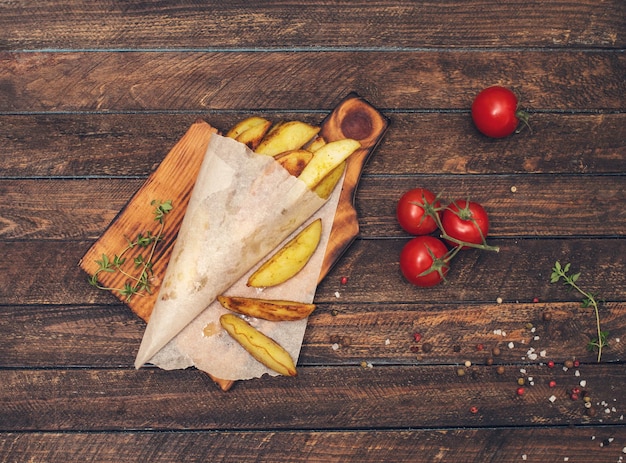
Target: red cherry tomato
422	261
495	113
411	214
466	221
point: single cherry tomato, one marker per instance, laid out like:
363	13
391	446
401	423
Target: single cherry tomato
466	221
422	261
495	112
412	211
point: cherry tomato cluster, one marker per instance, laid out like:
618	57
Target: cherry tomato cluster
462	224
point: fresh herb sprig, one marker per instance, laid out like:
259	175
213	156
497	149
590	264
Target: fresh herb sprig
560	272
136	284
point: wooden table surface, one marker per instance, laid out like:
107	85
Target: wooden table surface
92	97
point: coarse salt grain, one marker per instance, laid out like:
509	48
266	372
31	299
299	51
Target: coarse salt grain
524	457
499	300
335	346
542	353
337	295
577	373
387	342
552	398
583	383
511	345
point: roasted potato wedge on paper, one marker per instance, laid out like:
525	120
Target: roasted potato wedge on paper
294	161
261	347
291	135
290	259
272	310
326	159
253	136
326	186
246	124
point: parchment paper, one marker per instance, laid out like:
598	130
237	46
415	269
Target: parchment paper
243	206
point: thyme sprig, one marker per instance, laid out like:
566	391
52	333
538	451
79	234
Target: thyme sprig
560	272
135	284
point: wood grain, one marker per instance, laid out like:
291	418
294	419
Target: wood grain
471	444
353	397
221	80
278	24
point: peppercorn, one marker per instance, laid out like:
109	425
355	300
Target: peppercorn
344	280
456	348
551	364
495	351
474	409
576	363
346	341
427	347
417	337
334	312
500	370
547	316
520	381
489	361
479	347
591	411
520	391
334	339
569	364
552	383
460	372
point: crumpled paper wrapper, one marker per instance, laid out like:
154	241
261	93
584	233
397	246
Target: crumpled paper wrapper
243	207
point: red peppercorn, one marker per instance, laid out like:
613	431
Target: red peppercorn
552	383
576	363
344	280
574	396
576	390
550	364
520	391
474	409
417	337
480	347
535	300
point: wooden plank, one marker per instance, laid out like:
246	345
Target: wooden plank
384	397
79	145
594	204
108	25
520	271
338	333
550	444
218	80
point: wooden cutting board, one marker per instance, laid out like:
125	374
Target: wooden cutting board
174	180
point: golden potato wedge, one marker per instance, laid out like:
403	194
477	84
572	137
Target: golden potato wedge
291	135
253	136
294	161
326	159
315	144
263	348
290	259
272	310
326	186
241	126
